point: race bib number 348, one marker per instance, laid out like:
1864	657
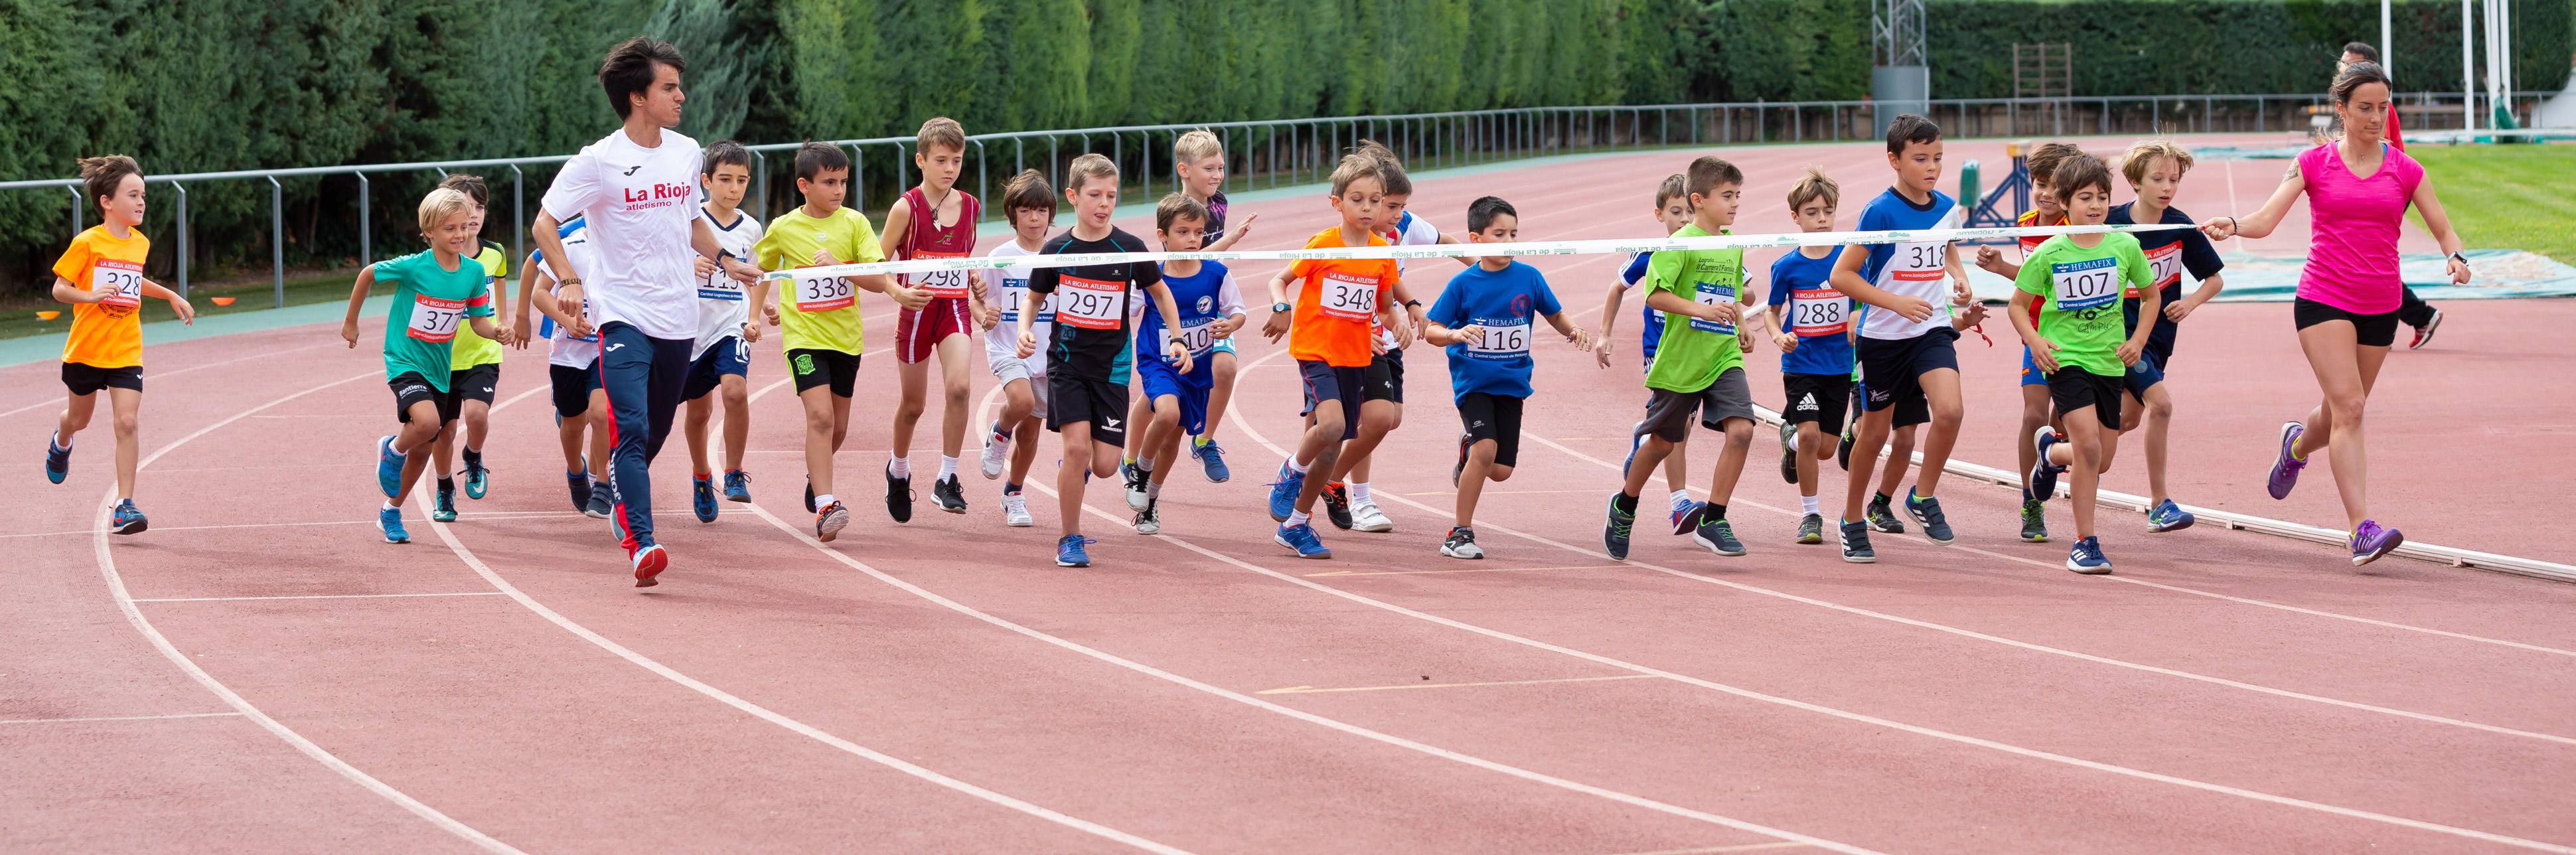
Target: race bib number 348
1351	298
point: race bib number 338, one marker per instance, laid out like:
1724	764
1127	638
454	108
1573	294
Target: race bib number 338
823	293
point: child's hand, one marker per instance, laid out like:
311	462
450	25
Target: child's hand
1468	335
742	271
1028	343
2043	353
1178	354
519	327
1276	325
2180	309
187	313
1403	332
2128	352
770	314
1914	309
1722	312
987	314
1582	338
751	333
1601	349
1974	313
349	332
1243	229
823	258
1224	327
1990	260
910	298
704	266
1784	341
1960	293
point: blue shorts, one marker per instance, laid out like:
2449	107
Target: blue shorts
2143	376
1336	384
2030	375
1224	345
728	355
1191	388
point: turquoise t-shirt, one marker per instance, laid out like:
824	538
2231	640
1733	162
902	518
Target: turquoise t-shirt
430	304
2079	291
1694	352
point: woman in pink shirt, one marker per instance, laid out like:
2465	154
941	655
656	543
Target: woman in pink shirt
2358	190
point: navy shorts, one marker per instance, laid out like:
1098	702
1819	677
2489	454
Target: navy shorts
1891	372
572	388
727	356
2143	376
1190	388
1326	382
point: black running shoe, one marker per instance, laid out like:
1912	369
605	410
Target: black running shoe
898	496
809	497
1337	505
950	495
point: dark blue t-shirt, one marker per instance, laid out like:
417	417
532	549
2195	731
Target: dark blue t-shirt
2169	253
1820	315
1508	304
1631	274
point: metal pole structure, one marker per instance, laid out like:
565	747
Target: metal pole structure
1052	178
2468	74
518	214
76	211
183	236
366	227
902	175
277	239
759	185
2384	56
858	179
983	186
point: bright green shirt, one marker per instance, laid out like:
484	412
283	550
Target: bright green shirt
430	304
1694	352
818	314
2079	291
470	349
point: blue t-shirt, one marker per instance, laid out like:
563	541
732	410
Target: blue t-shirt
1631	274
1195	299
1508	304
2169	253
1819	315
1915	268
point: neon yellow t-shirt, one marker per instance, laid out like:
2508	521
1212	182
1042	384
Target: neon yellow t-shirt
470	349
818	314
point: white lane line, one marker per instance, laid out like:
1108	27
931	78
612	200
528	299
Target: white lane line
119	718
2078	762
1716	850
494	515
134	616
314	597
1311	690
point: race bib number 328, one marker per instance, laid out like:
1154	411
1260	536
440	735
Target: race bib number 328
120	281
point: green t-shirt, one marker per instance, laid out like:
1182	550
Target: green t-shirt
2079	291
1694	352
430	304
818	314
472	350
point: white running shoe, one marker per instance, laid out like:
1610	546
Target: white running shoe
1015	511
995	454
1366	517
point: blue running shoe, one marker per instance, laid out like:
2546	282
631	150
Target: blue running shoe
58	461
389	521
1636	437
389	467
2169	517
1688	520
1302	539
1927	513
1283	493
1212	461
2086	557
603	501
702	497
1615	533
578	483
1069	553
478	479
443	508
128	520
737	486
2043	474
1855	544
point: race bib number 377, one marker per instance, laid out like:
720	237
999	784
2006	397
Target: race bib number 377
434	320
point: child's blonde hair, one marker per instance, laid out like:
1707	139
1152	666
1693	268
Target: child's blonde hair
941	131
1813	186
439	205
1355	166
2133	166
1091	166
1675	186
1196	146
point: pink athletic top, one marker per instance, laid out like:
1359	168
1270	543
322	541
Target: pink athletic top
2353	226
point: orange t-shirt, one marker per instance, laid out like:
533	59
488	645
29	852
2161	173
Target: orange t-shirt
1336	303
108	333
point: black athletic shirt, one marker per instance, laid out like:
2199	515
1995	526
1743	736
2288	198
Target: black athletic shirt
2198	257
1091	303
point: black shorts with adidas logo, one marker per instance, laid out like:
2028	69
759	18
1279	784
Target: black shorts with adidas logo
1819	398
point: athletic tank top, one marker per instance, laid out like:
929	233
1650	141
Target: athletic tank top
926	239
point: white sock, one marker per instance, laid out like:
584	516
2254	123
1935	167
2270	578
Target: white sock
947	466
1153	491
1681	500
58	443
1145	465
1359	492
824	501
899	467
389	505
1808	503
1297	467
1297	518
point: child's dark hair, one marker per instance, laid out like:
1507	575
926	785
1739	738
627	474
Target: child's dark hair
1028	191
2076	173
815	158
1710	171
2043	159
2356	75
100	175
628	70
1177	207
726	153
1481	213
1675	186
2363	50
1910	128
471	185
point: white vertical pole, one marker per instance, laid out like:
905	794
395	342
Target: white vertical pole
2468	72
2385	56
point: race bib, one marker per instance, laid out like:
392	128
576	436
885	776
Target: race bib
1714	294
1501	342
1919	262
1199	336
823	293
1013	294
1818	311
718	286
2086	284
1092	304
2164	267
121	281
434	320
941	284
1350	298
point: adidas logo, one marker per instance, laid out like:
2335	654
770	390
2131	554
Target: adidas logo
1805	405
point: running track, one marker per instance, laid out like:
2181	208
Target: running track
497	684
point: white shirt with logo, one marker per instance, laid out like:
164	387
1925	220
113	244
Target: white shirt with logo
640	203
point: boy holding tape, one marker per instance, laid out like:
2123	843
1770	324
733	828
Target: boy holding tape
1484	318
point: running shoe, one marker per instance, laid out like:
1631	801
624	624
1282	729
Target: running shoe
1636	437
1147	522
702	497
388	520
1283	493
1789	452
1337	504
2371	541
997	451
1855	543
1015	511
578	484
1615	531
1459	470
1462	544
950	495
650	561
442	508
2285	468
737	486
898	495
1687	519
389	467
1811	529
1302	539
2043	474
829	521
1842	449
1069	552
2086	557
603	502
1136	479
58	461
1366	517
1881	516
1718	537
2424	334
478	478
2034	521
1927	513
1211	461
2168	516
128	519
809	494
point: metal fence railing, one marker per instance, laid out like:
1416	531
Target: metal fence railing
1295	151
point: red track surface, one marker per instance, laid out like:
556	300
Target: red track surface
2224	692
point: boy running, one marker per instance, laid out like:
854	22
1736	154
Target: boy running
435	291
819	315
101	276
1347	502
1815	346
933	220
2074	283
1484	318
475	369
1672	210
1086	402
1029	203
572	366
1198	167
2045	211
1210	308
1909	366
1330	335
723	351
2155	169
1699	365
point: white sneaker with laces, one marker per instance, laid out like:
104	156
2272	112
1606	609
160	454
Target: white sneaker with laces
1366	517
995	454
1015	511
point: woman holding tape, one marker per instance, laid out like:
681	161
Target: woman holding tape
2358	190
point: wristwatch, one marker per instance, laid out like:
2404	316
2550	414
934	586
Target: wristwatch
2462	259
1281	307
1413	304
